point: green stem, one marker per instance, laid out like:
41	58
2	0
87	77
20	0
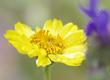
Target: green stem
47	75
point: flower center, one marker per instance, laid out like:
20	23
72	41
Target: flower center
52	44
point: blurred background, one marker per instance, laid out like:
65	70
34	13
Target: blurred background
14	66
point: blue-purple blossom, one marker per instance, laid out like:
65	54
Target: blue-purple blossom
98	23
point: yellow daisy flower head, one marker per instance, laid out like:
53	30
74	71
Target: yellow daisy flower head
52	43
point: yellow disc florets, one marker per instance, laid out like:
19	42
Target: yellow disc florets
52	44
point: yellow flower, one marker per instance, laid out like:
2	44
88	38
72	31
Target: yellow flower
52	43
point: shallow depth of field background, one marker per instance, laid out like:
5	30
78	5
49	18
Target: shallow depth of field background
14	66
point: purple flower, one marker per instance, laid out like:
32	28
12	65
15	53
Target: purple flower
98	23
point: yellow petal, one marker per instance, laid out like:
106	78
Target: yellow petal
54	57
43	52
70	59
78	37
57	26
76	48
23	29
33	52
53	27
37	29
21	43
43	61
67	29
48	25
11	34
